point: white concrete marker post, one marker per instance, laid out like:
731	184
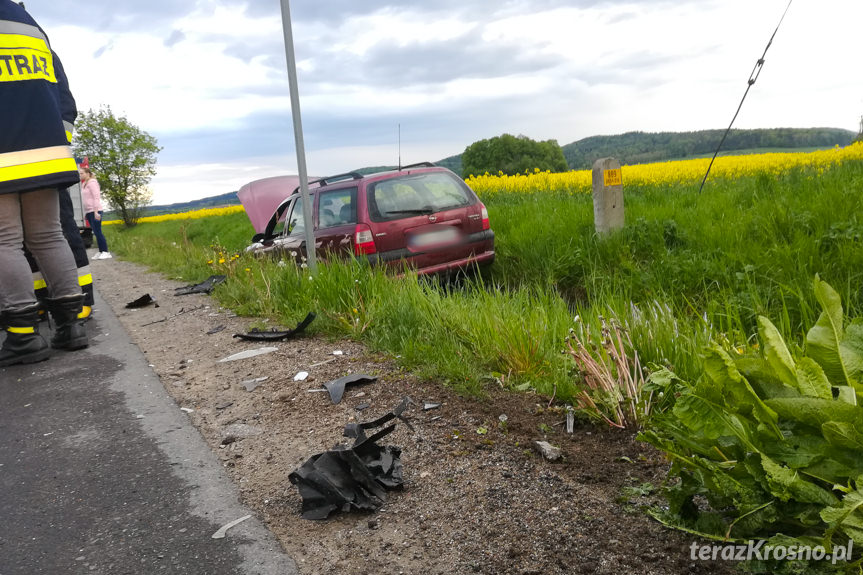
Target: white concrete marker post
311	258
607	195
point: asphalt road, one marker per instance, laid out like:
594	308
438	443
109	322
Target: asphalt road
102	473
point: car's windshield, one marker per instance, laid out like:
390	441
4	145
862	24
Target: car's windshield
417	194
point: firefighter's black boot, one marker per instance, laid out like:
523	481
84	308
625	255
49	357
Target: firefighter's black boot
69	331
23	343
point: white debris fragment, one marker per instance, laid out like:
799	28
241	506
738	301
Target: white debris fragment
549	451
252	384
249	353
301	376
220	534
187	409
338	352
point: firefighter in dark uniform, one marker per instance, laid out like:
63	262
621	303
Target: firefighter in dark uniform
35	162
70	227
73	237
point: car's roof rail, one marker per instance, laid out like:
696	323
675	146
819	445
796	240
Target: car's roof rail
419	165
332	179
339	177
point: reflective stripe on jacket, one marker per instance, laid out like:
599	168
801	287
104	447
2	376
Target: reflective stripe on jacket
36	108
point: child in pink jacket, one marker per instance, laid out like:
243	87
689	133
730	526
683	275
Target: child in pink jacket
92	196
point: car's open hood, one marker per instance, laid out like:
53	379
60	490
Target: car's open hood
261	198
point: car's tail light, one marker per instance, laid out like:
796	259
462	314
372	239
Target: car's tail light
485	223
364	242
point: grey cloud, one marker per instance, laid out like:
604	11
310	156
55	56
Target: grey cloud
336	11
272	133
113	15
391	65
102	50
433	63
176	37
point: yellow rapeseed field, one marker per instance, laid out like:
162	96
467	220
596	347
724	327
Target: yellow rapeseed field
580	181
193	215
666	173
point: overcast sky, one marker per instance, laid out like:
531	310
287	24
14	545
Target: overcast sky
208	77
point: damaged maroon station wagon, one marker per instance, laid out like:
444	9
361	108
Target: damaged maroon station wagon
421	216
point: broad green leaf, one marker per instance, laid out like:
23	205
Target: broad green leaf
823	340
838	514
851	349
786	484
763	379
847	394
776	353
846	517
796	451
702	417
739	395
843	435
662	379
829	471
811	380
814	411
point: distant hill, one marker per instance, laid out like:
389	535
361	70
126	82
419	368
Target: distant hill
644	147
629	148
453	163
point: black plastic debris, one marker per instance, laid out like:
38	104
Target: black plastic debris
272	335
352	478
142	301
205	286
337	386
216	329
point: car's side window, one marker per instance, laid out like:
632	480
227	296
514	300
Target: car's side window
296	222
337	208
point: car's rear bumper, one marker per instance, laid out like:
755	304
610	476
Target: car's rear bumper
477	250
476	260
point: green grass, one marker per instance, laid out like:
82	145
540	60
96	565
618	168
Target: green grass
737	250
687	268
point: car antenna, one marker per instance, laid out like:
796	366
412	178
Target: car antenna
756	71
400	146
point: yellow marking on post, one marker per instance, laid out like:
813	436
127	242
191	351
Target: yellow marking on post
612	178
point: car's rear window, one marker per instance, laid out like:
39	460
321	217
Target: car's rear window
416	194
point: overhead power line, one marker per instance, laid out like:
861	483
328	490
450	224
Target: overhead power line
756	71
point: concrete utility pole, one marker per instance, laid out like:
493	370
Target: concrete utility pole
311	258
607	196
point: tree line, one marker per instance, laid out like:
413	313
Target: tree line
517	154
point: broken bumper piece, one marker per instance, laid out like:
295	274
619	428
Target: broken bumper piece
205	286
258	335
353	478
